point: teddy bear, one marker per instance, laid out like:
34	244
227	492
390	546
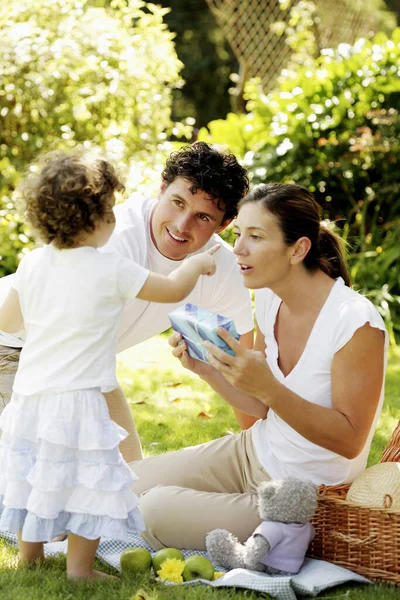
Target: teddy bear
280	542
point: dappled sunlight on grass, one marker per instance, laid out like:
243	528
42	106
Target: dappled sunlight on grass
167	402
174	398
8	556
172	407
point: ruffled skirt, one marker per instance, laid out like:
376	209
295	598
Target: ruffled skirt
61	470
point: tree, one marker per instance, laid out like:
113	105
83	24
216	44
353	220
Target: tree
333	126
208	61
71	72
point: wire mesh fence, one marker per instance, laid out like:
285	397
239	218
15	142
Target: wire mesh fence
262	53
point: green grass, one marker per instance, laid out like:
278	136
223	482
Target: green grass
167	402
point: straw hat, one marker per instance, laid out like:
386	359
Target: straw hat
377	486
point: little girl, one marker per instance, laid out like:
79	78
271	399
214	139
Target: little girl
61	469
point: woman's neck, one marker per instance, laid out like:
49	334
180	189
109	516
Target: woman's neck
304	292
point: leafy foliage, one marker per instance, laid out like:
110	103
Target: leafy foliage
333	127
71	72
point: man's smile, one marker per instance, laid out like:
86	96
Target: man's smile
176	237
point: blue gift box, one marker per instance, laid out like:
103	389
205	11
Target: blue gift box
196	325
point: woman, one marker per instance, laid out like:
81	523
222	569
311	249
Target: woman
314	379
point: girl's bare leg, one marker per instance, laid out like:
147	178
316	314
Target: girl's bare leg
29	552
80	559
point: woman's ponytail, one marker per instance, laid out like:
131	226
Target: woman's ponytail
332	255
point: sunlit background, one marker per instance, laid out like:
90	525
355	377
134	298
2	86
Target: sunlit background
305	92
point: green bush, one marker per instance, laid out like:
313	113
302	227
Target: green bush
71	72
334	128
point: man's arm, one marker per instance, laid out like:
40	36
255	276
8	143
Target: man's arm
245	421
120	412
233	396
11	320
230	298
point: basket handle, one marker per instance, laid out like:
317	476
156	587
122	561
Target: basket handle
392	450
353	540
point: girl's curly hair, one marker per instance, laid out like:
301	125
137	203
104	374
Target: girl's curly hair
66	194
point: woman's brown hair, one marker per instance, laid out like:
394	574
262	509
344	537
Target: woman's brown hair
299	215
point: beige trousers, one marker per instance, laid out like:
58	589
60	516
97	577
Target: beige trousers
186	494
9	358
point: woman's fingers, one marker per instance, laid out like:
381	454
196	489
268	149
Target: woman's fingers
186	361
178	351
229	339
178	347
174	339
219	359
223	357
221	366
220	354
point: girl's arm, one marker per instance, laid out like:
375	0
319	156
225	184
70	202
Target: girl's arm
11	320
357	375
178	284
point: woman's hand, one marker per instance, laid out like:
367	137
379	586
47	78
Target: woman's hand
180	351
247	371
215	377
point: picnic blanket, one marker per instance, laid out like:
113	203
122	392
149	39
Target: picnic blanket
314	576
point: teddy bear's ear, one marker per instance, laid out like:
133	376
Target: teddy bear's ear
267	489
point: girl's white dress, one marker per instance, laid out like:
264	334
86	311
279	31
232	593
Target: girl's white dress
61	469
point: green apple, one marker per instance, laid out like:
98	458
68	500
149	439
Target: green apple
135	559
161	555
197	567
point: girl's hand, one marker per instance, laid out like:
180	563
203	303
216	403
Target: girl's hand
208	261
247	371
180	351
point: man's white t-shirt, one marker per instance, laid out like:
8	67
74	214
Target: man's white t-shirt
282	451
223	292
71	301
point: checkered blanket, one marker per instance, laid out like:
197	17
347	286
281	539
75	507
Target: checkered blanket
314	576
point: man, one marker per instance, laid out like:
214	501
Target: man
10	349
200	189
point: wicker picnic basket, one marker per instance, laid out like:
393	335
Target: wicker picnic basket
363	539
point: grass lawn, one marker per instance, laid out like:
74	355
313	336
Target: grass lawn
174	409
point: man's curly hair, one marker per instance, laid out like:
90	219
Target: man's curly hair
211	170
66	194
